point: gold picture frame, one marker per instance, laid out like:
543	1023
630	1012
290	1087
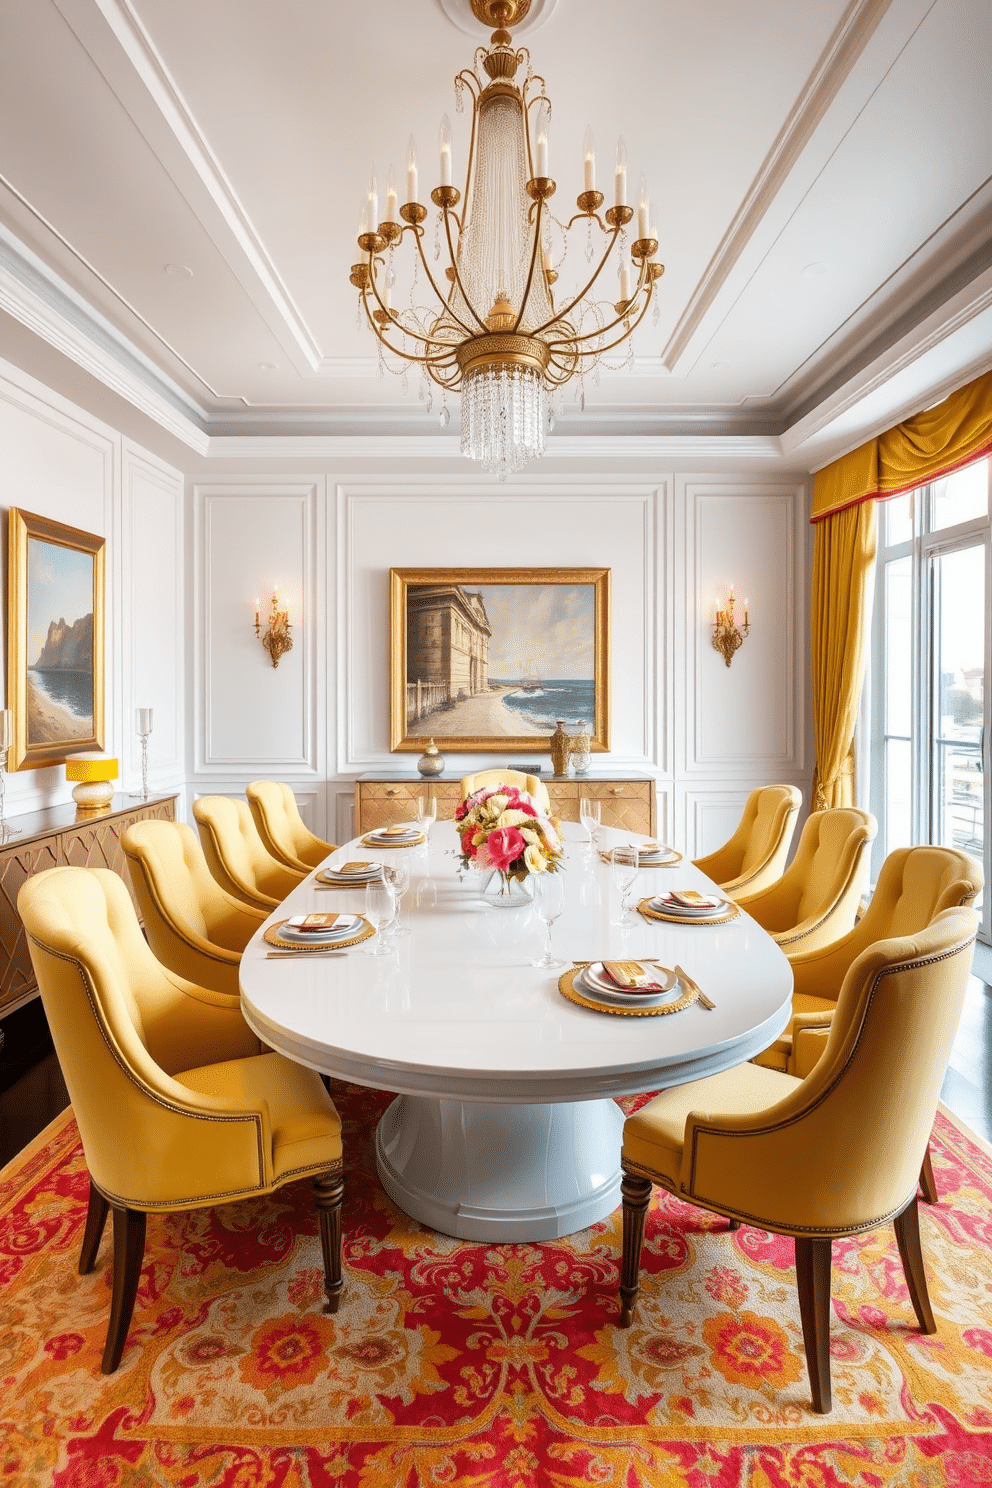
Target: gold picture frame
55	599
483	660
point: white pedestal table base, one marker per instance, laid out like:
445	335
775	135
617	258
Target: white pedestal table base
495	1173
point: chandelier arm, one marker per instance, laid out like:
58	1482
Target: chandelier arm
394	319
630	328
567	309
430	277
447	359
585	217
458	281
530	271
476	91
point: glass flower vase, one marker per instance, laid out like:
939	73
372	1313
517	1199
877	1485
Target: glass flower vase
507	890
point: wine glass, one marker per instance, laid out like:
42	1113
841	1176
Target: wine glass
549	901
380	906
590	815
401	882
625	866
426	817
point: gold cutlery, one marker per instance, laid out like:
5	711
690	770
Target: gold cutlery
701	997
309	951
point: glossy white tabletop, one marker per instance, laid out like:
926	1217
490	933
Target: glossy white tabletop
458	1011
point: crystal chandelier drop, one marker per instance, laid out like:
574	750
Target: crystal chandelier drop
493	329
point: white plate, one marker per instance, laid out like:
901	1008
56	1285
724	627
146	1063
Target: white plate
335	875
380	836
663	855
592	981
345	926
660	902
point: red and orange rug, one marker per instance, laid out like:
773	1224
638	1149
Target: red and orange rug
477	1366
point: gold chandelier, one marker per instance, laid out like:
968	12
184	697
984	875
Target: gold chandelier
494	331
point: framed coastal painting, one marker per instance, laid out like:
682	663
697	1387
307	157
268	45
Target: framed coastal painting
55	577
486	660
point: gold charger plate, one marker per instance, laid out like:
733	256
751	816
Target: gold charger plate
656	914
355	883
567	988
377	842
271	936
605	854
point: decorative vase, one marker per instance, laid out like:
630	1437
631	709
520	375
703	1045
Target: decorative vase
507	890
431	762
581	746
560	746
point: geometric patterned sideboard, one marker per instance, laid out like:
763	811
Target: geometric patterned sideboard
627	801
58	838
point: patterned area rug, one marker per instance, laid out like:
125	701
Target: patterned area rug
483	1367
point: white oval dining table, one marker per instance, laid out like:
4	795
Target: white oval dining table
504	1126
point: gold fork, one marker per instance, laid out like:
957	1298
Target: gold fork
701	997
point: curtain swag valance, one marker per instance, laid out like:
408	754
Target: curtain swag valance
921	449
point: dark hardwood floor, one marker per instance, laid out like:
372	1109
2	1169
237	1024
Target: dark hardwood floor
32	1091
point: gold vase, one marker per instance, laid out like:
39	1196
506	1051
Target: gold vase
560	748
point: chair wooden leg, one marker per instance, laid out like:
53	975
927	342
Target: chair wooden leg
329	1191
96	1218
813	1281
129	1250
733	1224
636	1198
927	1181
907	1227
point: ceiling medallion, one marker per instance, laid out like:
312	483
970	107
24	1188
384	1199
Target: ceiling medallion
494	329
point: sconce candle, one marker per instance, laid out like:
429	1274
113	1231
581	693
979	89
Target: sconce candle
278	639
143	727
727	639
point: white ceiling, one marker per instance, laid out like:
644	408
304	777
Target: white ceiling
180	183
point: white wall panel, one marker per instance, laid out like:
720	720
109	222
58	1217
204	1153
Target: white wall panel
248	715
152	630
748	718
59	463
623	526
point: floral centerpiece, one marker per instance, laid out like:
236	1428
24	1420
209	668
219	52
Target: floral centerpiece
504	830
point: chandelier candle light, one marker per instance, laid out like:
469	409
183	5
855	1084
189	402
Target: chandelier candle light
727	639
495	331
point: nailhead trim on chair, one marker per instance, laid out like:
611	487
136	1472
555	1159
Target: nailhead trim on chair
690	1193
202	947
161	1100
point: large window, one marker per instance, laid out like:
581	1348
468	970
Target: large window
930	660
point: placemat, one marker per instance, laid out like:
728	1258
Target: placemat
567	988
270	937
644	907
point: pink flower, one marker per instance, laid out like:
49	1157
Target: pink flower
481	856
505	844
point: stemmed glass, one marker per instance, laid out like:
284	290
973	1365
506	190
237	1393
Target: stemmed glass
590	815
380	906
625	866
400	882
426	817
549	901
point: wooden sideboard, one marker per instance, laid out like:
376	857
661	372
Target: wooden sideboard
628	800
59	837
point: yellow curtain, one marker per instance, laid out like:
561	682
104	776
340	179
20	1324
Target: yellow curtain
843	576
844	495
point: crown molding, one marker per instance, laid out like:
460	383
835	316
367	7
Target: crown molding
33	295
850	38
612	447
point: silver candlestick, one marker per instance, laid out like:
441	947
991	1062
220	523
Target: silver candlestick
143	724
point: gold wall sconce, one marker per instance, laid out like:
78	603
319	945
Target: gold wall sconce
277	639
727	639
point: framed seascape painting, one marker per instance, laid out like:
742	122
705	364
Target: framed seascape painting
54	640
486	660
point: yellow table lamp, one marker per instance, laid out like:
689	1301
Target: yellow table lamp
95	773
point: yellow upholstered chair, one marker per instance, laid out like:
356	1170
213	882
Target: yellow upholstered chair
754	857
283	832
194	928
529	783
835	1154
176	1107
817	898
236	854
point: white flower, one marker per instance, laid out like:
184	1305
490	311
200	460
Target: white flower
513	818
534	859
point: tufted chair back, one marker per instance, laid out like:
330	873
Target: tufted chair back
237	857
283	832
529	783
754	857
